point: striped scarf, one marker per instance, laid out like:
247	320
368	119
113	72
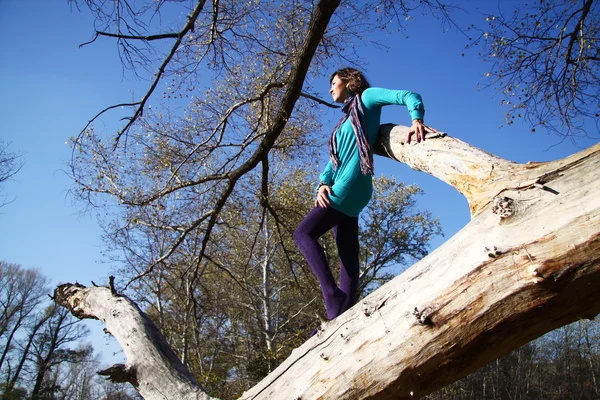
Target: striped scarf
353	108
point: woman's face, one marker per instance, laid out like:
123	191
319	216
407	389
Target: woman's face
338	90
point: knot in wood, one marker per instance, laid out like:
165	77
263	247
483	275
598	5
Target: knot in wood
366	309
494	252
504	207
424	316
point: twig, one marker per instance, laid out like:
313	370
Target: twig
318	100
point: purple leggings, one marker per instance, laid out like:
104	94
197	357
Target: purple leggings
345	228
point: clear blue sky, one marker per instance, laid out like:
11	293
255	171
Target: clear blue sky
50	88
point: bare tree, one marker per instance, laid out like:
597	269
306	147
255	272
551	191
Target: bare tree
10	164
35	338
51	348
21	294
32	330
546	62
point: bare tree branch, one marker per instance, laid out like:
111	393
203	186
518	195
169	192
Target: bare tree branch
189	26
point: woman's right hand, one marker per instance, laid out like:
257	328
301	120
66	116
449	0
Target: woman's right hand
323	196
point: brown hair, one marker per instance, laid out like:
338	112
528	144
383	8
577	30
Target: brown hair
355	80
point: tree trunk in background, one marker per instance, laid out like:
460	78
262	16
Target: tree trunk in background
267	294
527	263
47	350
25	354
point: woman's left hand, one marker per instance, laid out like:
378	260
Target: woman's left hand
420	129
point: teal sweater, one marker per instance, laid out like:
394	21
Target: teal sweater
351	189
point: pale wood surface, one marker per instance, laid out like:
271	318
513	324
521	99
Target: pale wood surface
151	364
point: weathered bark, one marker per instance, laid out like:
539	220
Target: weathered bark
152	366
495	285
478	175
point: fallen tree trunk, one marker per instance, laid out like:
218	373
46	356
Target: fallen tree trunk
527	263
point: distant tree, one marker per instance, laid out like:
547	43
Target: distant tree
561	364
10	164
35	336
22	356
22	291
18	393
80	380
545	59
52	347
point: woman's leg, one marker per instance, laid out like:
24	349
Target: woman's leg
318	221
346	238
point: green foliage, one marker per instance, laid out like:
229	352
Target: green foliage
17	393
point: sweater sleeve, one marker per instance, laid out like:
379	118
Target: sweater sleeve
378	97
326	175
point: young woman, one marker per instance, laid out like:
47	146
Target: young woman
345	185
